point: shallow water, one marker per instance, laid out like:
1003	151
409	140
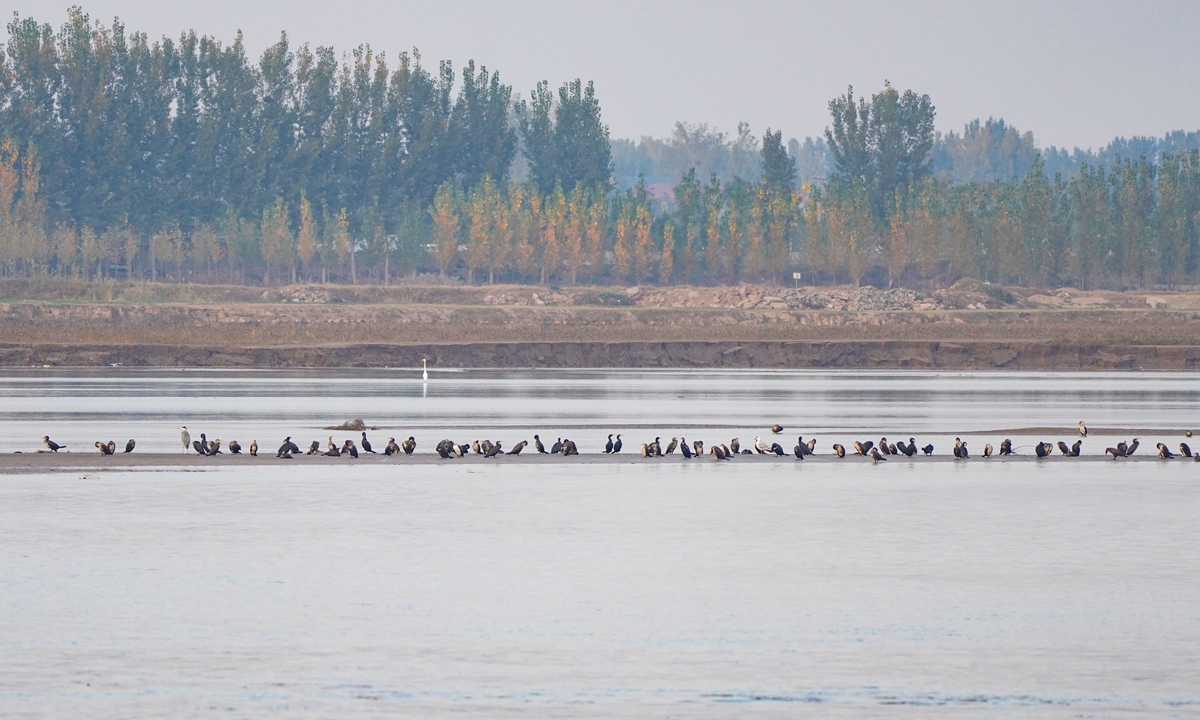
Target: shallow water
641	590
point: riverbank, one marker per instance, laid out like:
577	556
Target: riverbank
966	327
767	355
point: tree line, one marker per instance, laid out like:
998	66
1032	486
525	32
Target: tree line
183	160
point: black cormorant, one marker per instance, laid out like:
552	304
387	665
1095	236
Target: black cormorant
839	450
1185	450
366	445
672	445
876	457
518	447
1062	448
685	448
253	448
776	429
608	446
537	443
556	448
103	448
493	451
235	448
409	445
130	445
928	449
617	444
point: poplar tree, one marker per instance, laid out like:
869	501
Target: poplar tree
446	224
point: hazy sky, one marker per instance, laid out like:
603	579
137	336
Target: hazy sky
1075	73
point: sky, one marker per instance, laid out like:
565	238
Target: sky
1073	73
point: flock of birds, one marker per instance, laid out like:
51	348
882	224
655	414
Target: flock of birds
448	449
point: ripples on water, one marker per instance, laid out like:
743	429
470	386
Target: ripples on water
597	590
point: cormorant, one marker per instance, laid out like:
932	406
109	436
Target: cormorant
761	446
409	445
201	445
475	447
285	450
1115	452
333	451
461	450
1082	429
735	445
698	447
486	446
518	447
537	443
1076	447
1164	452
350	448
569	448
214	447
987	450
685	449
928	449
329	445
1187	433
1062	447
234	447
1040	449
103	448
186	437
493	451
112	447
392	448
1006	447
839	450
883	446
672	445
776	429
54	447
875	456
1185	450
617	444
556	448
609	445
777	449
443	449
656	447
799	450
366	445
253	448
315	448
718	452
645	450
1132	446
859	448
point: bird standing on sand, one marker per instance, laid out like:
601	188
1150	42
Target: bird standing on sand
876	457
409	445
366	444
683	448
1082	429
103	448
54	447
234	447
537	443
186	437
839	450
253	448
608	446
424	371
776	429
130	445
617	444
761	446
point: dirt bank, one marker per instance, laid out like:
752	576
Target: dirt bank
849	354
968	326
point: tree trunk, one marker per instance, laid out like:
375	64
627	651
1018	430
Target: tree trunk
387	263
353	274
324	276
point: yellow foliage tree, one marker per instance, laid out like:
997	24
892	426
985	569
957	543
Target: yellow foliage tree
446	225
